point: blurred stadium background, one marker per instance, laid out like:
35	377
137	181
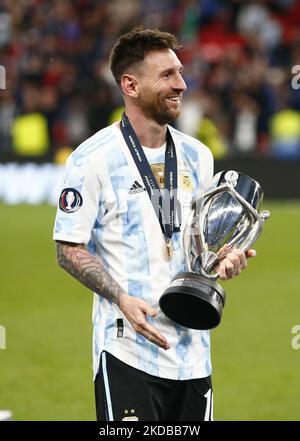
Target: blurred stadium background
243	101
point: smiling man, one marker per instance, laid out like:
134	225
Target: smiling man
126	195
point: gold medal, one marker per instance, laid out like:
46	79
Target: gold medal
170	249
159	174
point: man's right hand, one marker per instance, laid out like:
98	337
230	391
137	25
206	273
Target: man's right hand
136	311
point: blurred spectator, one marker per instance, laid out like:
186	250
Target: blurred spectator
5	27
191	114
254	19
30	134
202	117
245	128
237	57
285	134
7	114
210	135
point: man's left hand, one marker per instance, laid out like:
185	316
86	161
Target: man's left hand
234	262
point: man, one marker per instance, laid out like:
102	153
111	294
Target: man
114	236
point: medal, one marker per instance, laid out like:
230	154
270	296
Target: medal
170	249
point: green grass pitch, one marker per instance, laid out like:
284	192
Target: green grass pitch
45	370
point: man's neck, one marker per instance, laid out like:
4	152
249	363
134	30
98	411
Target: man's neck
150	133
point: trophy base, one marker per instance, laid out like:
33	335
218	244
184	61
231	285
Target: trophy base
194	301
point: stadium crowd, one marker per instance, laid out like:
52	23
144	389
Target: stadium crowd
242	98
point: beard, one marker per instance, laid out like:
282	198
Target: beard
156	108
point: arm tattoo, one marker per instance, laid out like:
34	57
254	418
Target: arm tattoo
89	270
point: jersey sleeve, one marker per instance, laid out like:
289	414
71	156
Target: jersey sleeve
78	203
206	171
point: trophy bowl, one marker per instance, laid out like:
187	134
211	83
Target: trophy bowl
224	218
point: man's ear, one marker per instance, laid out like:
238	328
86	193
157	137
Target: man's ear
130	85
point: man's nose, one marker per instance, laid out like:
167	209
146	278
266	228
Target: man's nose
179	83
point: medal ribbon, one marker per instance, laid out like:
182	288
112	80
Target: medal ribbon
164	201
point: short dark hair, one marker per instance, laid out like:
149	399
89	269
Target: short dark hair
132	48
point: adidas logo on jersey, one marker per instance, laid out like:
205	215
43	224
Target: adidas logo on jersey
136	188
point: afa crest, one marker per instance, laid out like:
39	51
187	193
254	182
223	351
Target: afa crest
186	182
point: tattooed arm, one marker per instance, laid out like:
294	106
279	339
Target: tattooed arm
89	270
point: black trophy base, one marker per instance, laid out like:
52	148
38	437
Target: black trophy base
194	301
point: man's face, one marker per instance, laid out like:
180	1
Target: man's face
161	86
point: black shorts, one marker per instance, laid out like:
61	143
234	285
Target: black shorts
125	393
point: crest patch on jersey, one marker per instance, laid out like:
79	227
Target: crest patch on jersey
70	200
186	182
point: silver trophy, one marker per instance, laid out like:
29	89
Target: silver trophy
225	217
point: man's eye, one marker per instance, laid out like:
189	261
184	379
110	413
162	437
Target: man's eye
166	76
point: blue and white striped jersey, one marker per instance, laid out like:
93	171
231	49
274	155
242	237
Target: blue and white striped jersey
104	204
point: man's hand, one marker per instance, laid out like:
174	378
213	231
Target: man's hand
136	311
89	270
234	262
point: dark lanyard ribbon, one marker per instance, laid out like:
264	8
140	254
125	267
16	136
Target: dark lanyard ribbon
164	201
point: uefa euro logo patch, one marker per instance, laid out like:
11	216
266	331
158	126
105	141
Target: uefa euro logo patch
70	200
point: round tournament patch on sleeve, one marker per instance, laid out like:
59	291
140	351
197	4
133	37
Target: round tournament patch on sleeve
70	200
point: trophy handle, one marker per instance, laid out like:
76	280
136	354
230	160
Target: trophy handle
192	254
191	228
256	219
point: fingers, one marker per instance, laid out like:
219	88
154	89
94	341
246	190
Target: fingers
149	311
234	263
225	269
250	253
150	333
239	260
136	311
